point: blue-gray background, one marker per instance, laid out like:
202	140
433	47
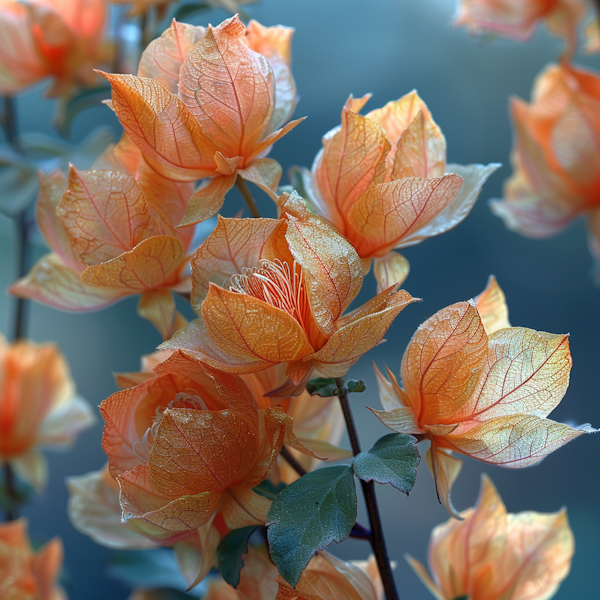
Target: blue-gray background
386	47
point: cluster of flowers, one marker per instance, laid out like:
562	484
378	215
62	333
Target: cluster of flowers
192	435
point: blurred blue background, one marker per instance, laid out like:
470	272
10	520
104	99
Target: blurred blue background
386	47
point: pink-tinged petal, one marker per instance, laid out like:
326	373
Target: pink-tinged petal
473	176
352	159
515	441
229	89
52	188
197	553
152	514
243	508
445	468
274	43
199	451
389	212
525	372
264	173
163	57
243	326
104	214
421	149
441	365
361	333
151	264
158	307
162	127
235	244
208	200
95	511
390	270
52	282
492	307
32	467
331	268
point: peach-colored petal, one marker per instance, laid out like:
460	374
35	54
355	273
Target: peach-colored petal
163	57
424	576
265	173
388	212
243	508
94	510
235	244
390	270
241	325
32	467
331	268
162	127
214	80
264	146
492	307
104	214
359	335
151	264
158	307
52	282
421	149
196	554
445	468
441	365
592	37
208	200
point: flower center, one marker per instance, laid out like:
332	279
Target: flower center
186	399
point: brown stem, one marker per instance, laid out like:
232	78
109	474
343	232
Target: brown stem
597	2
358	531
377	539
241	185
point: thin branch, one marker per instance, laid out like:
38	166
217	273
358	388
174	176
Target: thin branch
358	530
241	185
377	539
9	482
597	2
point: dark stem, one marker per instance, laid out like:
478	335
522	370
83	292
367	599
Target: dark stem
9	482
21	235
377	539
597	2
358	531
10	122
241	185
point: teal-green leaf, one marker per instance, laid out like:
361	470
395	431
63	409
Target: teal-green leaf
356	387
322	386
229	553
462	598
268	490
309	514
393	459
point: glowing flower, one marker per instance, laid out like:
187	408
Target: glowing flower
38	407
518	19
272	291
492	555
25	574
192	119
382	180
482	393
186	448
50	38
555	158
112	233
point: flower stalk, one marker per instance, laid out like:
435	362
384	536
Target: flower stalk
376	538
247	196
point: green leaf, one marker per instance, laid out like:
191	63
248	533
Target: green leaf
393	459
19	494
322	386
309	514
268	490
356	387
229	553
462	598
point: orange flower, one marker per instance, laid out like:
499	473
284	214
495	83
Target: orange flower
38	407
25	574
112	233
169	110
518	19
556	159
492	555
481	392
186	448
272	291
50	38
382	180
